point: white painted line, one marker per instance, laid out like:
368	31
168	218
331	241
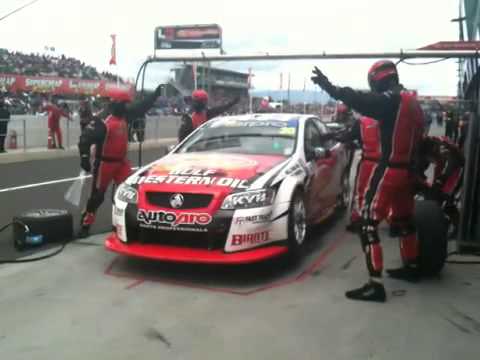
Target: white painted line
47	183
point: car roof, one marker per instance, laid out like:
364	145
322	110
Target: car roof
265	117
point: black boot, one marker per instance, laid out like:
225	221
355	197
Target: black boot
371	291
407	273
84	232
354	226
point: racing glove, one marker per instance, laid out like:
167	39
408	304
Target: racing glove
321	80
437	192
85	163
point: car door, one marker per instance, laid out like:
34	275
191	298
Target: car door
321	168
338	160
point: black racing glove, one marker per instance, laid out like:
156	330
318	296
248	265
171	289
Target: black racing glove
436	191
85	163
321	80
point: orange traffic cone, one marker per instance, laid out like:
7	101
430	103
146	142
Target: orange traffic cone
12	140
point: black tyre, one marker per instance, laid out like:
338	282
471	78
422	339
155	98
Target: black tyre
297	226
54	225
432	229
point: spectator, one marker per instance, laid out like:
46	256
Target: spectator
42	65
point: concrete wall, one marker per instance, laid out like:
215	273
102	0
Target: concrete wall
36	130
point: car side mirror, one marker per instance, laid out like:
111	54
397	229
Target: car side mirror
320	153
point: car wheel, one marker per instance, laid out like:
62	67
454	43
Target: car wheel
432	228
297	226
53	224
343	199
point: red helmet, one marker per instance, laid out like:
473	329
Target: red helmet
200	95
380	72
342	108
119	94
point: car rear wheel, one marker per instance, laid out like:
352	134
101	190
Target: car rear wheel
432	228
297	226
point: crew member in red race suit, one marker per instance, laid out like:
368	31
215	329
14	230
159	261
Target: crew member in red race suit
54	130
390	189
448	161
110	138
201	113
85	114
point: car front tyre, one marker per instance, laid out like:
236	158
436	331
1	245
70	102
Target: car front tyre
297	226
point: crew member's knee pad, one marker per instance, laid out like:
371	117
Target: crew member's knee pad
369	234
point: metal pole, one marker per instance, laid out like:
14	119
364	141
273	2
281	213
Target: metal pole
24	134
425	54
68	133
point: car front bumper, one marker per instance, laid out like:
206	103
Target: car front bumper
191	255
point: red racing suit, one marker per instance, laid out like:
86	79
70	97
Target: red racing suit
448	166
54	130
110	138
448	161
387	181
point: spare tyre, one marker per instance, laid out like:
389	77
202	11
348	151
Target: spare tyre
54	225
432	227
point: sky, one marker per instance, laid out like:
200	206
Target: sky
82	28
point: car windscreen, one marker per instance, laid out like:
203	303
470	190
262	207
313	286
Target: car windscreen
271	137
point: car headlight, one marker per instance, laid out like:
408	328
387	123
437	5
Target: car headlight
127	194
249	199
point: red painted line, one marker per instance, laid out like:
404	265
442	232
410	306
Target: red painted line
321	258
135	284
304	275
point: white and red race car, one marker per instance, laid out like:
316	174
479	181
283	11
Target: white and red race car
239	189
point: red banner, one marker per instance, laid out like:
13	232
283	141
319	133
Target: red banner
56	85
453	45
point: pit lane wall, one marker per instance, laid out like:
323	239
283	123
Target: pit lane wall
31	131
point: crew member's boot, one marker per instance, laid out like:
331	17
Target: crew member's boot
371	291
88	219
409	272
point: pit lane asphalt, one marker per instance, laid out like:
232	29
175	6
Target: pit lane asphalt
89	303
53	165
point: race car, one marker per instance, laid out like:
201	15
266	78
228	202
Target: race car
239	189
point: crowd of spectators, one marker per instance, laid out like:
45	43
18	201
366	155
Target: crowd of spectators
46	65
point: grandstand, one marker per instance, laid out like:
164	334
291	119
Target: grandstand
221	84
43	65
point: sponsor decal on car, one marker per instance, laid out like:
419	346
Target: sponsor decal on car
253	219
191	176
250	239
195	161
246	198
118	212
173	228
127	193
146	217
